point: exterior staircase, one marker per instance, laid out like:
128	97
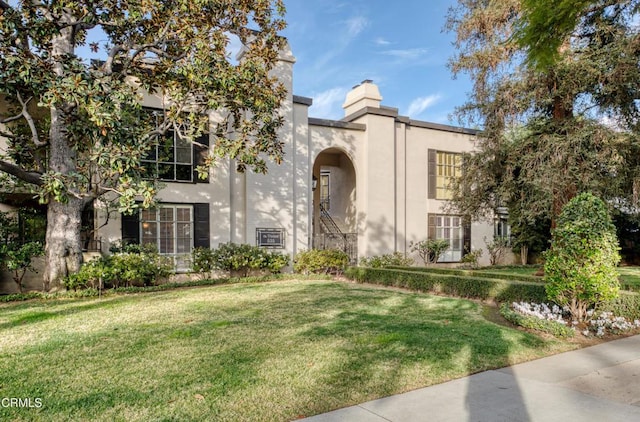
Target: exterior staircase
332	236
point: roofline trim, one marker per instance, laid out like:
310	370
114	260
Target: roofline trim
337	124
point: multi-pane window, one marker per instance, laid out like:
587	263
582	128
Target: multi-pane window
171	158
449	228
448	168
170	229
501	229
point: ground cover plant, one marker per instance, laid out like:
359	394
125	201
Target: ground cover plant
268	351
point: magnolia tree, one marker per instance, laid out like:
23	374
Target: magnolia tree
73	123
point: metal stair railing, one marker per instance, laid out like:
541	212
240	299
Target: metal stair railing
328	222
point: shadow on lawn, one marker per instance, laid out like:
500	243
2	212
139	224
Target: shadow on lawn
380	343
34	312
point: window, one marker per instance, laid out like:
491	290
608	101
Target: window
324	189
170	228
455	230
170	159
175	229
501	228
444	168
174	158
448	169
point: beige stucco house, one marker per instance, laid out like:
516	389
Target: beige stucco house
369	183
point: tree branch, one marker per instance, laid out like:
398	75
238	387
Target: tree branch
26	176
32	125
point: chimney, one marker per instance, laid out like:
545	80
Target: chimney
365	94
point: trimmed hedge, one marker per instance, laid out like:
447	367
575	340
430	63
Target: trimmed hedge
473	273
452	284
626	305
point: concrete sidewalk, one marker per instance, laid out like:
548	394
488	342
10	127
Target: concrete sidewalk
599	383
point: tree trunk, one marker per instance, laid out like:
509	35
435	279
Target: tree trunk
63	251
524	254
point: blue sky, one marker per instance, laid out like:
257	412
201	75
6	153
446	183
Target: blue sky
400	46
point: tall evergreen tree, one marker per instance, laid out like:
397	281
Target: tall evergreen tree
558	117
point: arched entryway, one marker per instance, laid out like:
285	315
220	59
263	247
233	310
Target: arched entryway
334	223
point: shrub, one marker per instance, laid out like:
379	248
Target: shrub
626	305
133	265
16	254
451	283
276	261
470	259
242	258
580	266
382	261
203	262
328	261
429	250
496	248
18	259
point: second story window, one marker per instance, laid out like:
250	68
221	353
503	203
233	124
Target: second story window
171	159
448	169
444	169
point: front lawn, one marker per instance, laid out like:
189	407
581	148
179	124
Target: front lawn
257	352
630	278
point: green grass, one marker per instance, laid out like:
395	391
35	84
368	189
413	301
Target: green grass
252	352
630	278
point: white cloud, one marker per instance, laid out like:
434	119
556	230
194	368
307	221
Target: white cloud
327	104
419	105
356	25
382	41
406	54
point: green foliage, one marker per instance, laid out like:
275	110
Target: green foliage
75	126
480	272
497	247
580	268
386	260
626	305
543	137
16	253
132	266
242	258
531	322
429	250
203	261
470	259
316	261
546	25
451	283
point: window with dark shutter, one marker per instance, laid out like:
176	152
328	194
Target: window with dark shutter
130	228
201	225
466	235
431	171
